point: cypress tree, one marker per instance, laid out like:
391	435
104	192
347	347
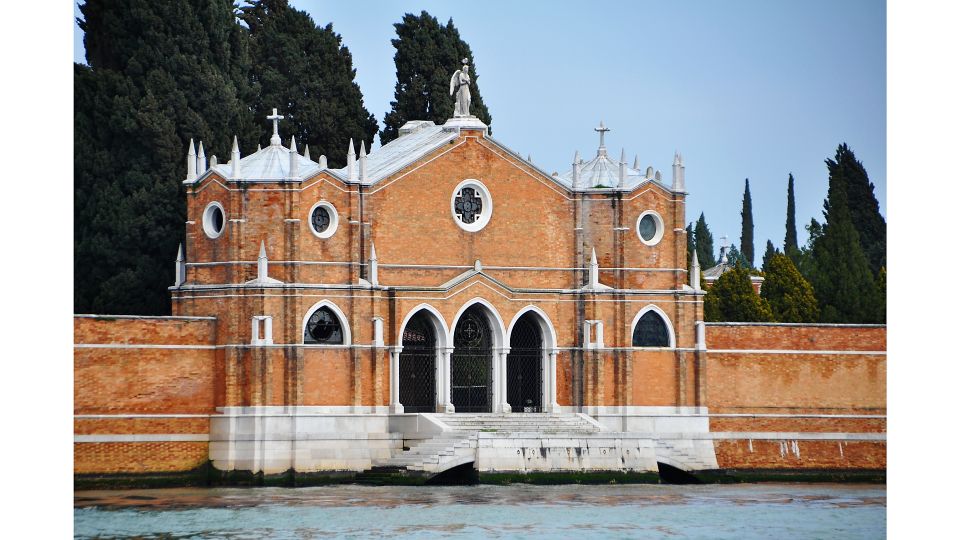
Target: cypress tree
732	299
735	256
159	74
767	254
746	226
427	56
790	297
790	247
704	243
845	287
691	245
863	206
306	72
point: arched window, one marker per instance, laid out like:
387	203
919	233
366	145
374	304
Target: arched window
323	327
651	331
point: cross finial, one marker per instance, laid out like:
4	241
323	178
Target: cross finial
602	151
275	140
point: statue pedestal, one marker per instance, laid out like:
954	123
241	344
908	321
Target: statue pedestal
458	123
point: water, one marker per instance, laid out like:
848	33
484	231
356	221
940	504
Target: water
518	511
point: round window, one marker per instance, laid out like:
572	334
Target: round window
213	220
650	227
471	205
323	219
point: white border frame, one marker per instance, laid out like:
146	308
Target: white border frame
485	214
208	216
660	228
344	325
671	333
334	219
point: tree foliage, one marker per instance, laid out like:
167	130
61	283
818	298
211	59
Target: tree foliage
790	247
770	251
704	243
732	298
306	72
789	296
863	206
427	56
691	244
159	74
746	226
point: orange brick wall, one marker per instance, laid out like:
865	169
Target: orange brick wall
138	457
763	454
797	337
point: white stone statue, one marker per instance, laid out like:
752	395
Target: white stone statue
460	89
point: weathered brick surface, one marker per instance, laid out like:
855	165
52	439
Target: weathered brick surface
762	454
138	457
797	337
115	425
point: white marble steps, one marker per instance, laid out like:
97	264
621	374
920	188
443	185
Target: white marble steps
518	422
429	454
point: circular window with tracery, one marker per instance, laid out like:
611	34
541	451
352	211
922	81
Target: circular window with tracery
471	205
650	228
323	219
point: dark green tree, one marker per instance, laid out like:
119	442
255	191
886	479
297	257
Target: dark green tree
704	243
427	56
159	74
746	226
845	287
735	256
307	74
732	298
790	247
770	251
691	244
790	297
804	261
863	206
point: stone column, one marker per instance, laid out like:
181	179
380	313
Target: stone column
500	376
444	398
552	405
395	406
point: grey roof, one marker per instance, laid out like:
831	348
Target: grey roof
604	173
715	272
270	163
417	139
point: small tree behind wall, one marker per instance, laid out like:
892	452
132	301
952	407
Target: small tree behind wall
732	299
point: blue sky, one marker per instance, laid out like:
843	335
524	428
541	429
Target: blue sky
744	89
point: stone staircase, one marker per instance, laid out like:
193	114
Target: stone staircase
520	422
685	455
435	454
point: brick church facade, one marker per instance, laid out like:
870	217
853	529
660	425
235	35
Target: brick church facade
443	273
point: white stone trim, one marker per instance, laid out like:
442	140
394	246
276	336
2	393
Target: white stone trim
485	213
267	337
548	366
208	217
344	324
444	338
334	219
663	315
500	348
660	227
441	362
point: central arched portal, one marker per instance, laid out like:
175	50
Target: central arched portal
525	366
471	364
418	365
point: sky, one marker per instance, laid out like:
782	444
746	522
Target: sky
742	88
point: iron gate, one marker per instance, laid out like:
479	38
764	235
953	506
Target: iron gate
525	366
418	390
471	363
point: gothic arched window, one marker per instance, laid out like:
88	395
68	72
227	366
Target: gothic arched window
651	331
323	327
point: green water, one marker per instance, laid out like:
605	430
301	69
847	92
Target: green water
741	511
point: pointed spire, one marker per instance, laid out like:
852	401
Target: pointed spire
323	161
181	272
657	176
213	161
374	278
235	159
294	158
576	170
623	168
529	159
363	161
201	160
636	162
695	271
262	262
649	174
351	163
594	269
678	181
306	151
191	162
258	147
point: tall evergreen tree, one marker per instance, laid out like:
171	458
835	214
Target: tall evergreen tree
306	72
691	244
746	226
790	247
790	297
732	298
704	242
845	287
863	206
159	74
427	56
770	251
735	256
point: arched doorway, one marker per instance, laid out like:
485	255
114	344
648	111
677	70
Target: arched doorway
471	377
417	372
525	366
